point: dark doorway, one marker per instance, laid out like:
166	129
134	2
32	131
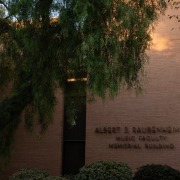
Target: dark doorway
74	127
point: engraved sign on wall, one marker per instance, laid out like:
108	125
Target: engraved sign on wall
146	137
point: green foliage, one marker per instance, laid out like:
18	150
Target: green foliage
156	172
10	114
29	174
102	40
55	178
70	177
105	170
34	174
2	12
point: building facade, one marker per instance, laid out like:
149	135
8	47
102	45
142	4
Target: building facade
134	129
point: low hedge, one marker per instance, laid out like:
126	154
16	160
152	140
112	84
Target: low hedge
105	170
29	174
55	178
156	172
34	174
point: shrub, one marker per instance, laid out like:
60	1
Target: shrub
55	178
105	170
29	174
156	172
70	177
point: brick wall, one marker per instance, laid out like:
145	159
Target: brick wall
158	105
30	151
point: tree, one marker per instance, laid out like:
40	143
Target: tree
45	42
174	5
2	12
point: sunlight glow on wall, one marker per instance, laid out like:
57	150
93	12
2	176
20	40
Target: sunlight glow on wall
160	43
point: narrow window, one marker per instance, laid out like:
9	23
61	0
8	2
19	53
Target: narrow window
74	127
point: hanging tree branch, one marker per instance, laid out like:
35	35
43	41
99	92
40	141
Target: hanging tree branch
42	54
1	2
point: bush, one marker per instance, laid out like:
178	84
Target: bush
55	178
105	170
29	174
156	172
70	177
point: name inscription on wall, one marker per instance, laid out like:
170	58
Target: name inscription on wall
140	137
